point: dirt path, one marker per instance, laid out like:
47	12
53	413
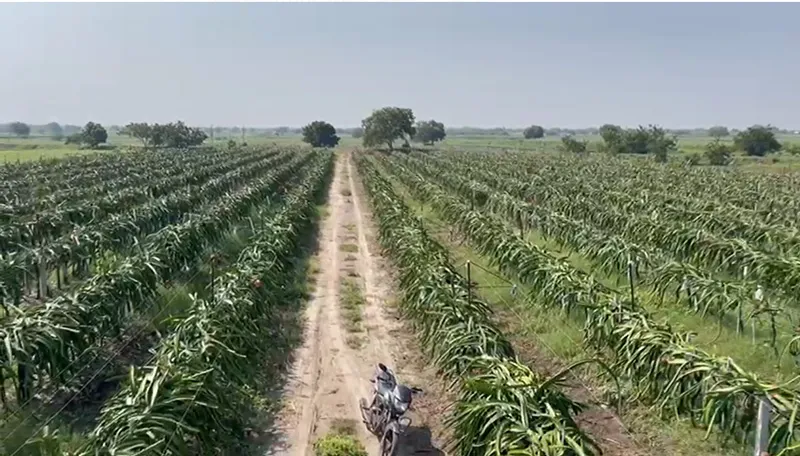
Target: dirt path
349	329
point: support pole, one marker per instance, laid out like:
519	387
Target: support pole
762	428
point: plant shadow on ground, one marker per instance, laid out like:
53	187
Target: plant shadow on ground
269	390
417	440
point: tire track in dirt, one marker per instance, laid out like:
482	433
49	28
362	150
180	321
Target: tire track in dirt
332	369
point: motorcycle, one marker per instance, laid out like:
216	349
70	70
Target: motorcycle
384	415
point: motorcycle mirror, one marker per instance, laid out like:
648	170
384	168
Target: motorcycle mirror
372	380
416	390
382	367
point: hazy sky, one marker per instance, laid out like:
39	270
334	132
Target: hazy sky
569	65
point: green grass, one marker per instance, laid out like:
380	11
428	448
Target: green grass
349	248
38	153
352	303
336	443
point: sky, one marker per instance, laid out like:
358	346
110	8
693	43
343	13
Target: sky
485	65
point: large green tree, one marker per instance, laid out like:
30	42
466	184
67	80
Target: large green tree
387	125
651	140
757	140
533	132
173	134
54	130
429	132
141	131
20	129
320	134
93	134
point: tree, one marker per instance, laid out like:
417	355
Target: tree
574	146
757	140
178	135
175	135
658	143
54	130
141	131
652	140
533	132
357	132
718	153
20	129
93	134
320	134
386	125
718	131
612	138
428	132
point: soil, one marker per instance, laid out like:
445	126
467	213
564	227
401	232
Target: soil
332	369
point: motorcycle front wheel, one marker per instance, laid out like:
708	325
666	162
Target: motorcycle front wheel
368	414
389	443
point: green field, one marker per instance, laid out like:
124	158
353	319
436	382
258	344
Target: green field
672	287
24	149
550	238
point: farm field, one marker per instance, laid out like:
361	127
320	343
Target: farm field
707	327
236	300
25	149
137	292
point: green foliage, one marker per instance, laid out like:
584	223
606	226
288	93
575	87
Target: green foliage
320	134
692	159
792	148
173	134
533	132
75	138
336	444
652	140
574	146
757	141
660	363
503	407
93	134
386	125
718	153
20	129
54	130
658	143
141	131
429	132
357	133
718	131
190	397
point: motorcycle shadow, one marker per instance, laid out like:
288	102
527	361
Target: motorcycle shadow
417	440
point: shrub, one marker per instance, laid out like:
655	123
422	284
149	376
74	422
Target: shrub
338	445
718	153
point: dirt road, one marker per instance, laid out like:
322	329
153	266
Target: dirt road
349	329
